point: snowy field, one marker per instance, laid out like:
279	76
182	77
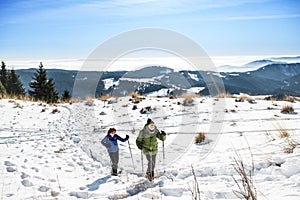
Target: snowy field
54	151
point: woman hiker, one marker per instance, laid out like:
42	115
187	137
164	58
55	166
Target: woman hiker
110	141
147	142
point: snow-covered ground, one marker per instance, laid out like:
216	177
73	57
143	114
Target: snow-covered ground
54	151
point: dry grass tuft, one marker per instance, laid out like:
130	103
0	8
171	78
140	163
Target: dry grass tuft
244	98
281	97
195	189
245	183
287	109
18	105
283	133
104	97
89	101
173	96
188	100
224	95
289	99
200	138
60	150
136	98
291	145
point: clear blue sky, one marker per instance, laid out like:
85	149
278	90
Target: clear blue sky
72	29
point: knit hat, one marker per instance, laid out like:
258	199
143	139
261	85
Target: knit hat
149	121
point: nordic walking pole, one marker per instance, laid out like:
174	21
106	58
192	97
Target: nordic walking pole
163	150
142	162
131	154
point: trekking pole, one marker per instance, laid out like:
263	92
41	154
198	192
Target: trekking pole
131	155
142	162
163	151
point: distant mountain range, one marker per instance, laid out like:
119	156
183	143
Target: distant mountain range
271	77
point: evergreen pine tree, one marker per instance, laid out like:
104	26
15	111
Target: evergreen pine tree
2	90
52	96
14	85
66	95
43	89
3	75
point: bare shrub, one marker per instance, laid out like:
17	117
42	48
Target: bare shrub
287	109
291	145
200	138
245	184
195	189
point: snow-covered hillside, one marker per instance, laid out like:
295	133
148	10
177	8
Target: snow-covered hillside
54	151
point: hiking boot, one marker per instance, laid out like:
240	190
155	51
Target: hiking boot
149	176
152	174
114	172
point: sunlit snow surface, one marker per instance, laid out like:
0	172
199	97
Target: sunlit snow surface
46	155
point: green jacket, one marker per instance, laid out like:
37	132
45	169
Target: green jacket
147	142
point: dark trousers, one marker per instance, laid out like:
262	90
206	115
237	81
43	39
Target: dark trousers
151	162
114	157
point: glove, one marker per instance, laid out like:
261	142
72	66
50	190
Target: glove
163	133
127	137
140	147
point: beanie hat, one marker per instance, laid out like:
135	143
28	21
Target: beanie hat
149	121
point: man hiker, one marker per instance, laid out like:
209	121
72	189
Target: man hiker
110	141
147	143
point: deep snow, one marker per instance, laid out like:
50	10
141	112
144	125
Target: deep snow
44	155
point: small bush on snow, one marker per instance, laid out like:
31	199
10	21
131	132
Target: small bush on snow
245	97
188	100
200	138
55	110
287	109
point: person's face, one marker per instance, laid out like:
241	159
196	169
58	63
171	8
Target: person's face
113	133
151	127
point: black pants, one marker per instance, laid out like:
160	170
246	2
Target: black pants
151	162
114	157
